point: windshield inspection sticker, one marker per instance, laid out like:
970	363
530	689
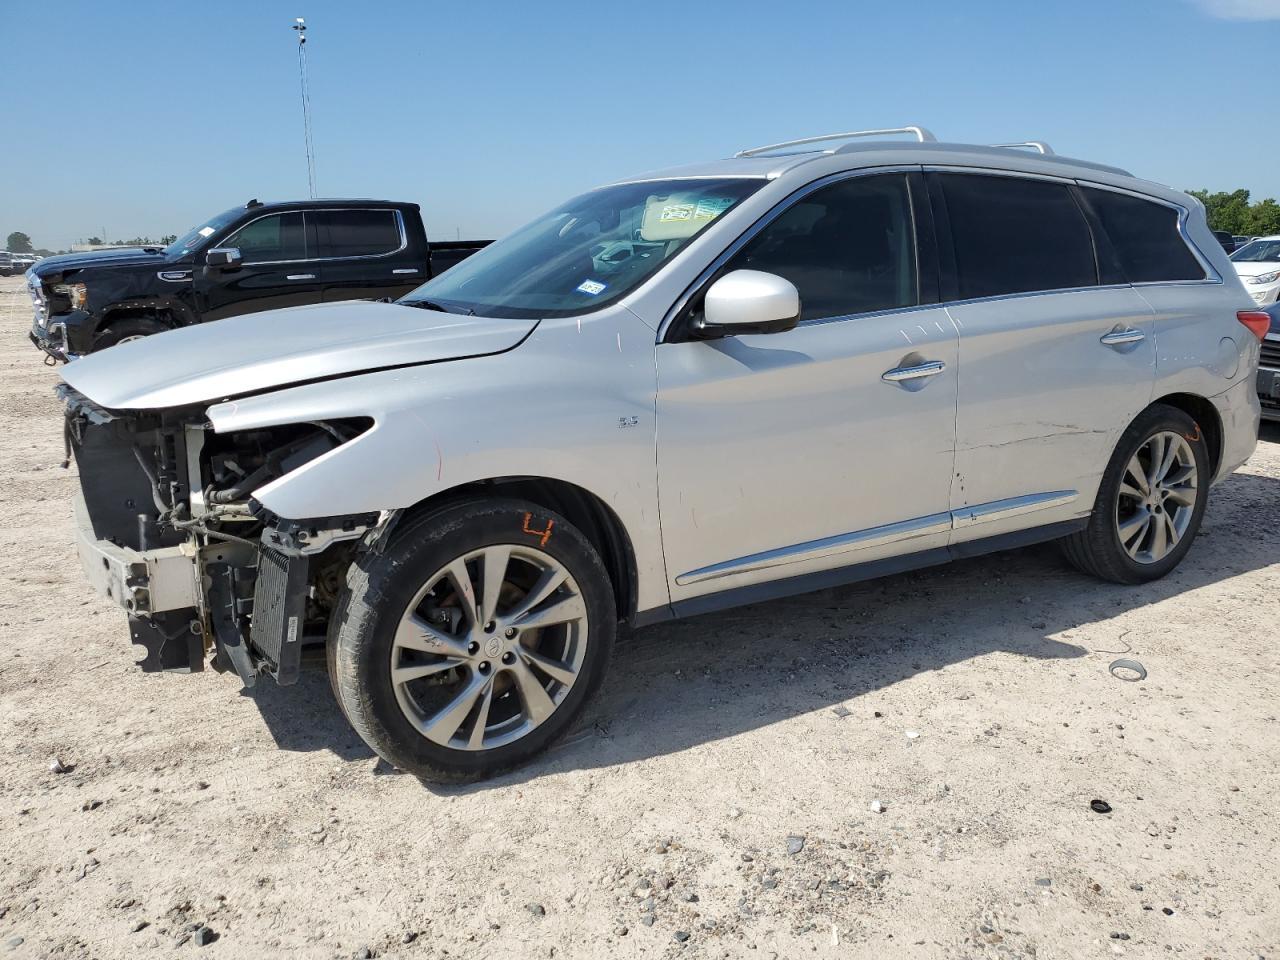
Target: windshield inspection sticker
593	287
676	212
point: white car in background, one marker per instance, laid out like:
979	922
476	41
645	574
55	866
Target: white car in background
1258	264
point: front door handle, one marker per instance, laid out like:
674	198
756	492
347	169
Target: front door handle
930	368
406	270
1118	338
301	276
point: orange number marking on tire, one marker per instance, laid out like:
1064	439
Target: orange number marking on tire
1196	437
544	534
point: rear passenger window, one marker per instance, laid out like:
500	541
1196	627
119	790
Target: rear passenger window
1145	238
849	248
358	233
1017	236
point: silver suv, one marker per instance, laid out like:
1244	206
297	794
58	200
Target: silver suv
813	363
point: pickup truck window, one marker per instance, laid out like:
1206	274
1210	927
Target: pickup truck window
589	252
269	239
358	233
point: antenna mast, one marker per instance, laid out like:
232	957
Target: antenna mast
300	25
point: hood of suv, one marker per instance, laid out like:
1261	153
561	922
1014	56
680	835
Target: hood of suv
276	348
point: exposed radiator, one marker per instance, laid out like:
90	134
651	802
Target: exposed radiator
279	607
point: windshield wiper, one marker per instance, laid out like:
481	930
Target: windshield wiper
424	305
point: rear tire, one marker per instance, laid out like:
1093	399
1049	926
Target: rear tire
124	330
1151	501
474	640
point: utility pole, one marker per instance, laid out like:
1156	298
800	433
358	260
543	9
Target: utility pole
300	25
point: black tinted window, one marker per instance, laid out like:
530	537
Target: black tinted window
1015	236
279	236
1145	238
358	233
849	248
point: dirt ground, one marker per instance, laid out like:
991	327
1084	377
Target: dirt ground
716	801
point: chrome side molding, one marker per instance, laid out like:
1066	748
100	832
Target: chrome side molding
879	536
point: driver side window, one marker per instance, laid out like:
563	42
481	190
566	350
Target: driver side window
849	248
280	236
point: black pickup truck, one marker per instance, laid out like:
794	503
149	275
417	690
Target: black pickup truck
257	257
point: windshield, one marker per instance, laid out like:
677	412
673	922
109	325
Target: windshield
1258	251
586	253
197	238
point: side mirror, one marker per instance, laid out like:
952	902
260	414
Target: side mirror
224	257
748	301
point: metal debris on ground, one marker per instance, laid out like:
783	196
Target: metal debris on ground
1129	670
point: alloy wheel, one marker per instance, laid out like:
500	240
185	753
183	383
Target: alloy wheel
489	647
1157	497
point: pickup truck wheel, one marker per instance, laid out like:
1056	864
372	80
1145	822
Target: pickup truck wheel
1150	503
123	331
474	640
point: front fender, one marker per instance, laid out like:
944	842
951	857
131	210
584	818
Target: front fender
573	403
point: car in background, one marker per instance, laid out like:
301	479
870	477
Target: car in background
8	267
1258	264
1225	240
259	256
1241	241
1269	367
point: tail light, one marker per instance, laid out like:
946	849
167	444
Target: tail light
1257	321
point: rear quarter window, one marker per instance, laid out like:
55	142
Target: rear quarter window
1145	238
1016	236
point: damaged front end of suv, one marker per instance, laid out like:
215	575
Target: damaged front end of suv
169	529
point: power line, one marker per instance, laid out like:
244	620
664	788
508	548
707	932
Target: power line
300	25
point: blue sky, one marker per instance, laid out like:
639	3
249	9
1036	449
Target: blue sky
146	118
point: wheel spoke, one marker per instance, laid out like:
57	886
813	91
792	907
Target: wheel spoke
1138	475
537	704
419	670
1155	455
1183	496
1134	531
1167	459
1133	493
552	668
492	574
1159	539
476	740
548	583
1179	475
441	727
414	633
570	608
465	591
1174	534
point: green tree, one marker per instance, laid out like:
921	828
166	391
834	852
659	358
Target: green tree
1226	211
1264	218
18	242
94	241
169	238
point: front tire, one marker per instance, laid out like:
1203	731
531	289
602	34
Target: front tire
474	641
1151	501
124	331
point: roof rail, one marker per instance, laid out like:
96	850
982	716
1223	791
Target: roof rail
920	133
1040	145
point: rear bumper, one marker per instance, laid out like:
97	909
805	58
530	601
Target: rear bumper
1269	393
1239	411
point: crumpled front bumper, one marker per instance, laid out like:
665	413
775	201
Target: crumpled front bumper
158	589
52	339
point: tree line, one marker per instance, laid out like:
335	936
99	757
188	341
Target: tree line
19	242
1232	212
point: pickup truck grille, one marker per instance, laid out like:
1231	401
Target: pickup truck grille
1270	354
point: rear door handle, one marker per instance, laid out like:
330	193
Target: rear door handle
1118	338
930	368
406	270
301	276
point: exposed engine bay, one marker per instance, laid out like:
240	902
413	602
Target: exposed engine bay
205	572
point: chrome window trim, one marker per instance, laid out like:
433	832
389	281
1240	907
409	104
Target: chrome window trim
889	533
772	214
404	236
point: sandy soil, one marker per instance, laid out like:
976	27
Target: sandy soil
973	701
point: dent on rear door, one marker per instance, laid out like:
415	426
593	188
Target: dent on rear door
1042	401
